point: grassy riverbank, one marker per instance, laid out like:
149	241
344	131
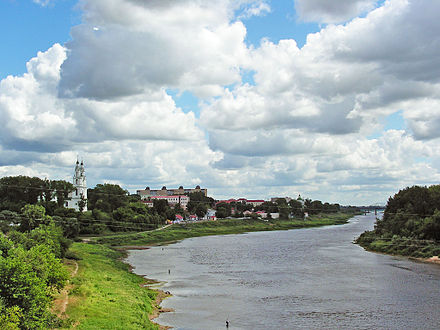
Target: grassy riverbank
221	227
398	245
105	294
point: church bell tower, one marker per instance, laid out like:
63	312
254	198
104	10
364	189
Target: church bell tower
79	195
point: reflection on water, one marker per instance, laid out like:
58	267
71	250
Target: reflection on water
298	279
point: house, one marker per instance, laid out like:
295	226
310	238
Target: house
193	217
261	214
210	214
178	219
247	213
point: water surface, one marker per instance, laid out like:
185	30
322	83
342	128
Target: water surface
298	279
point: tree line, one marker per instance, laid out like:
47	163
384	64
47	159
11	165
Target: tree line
293	208
410	224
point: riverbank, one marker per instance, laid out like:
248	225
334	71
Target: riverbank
178	232
105	294
423	250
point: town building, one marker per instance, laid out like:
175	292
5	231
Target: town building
253	202
172	200
211	214
147	192
79	195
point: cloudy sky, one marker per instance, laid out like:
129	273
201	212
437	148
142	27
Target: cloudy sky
336	100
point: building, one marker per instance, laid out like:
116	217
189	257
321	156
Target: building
255	202
79	195
275	199
172	200
147	192
210	214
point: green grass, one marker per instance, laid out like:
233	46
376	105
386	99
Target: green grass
105	294
221	227
398	245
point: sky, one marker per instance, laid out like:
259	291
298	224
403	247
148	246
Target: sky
338	101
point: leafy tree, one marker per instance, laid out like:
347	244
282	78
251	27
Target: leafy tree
28	277
223	210
33	216
269	207
160	206
296	208
201	210
8	220
107	197
17	191
198	198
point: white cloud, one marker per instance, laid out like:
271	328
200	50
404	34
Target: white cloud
36	119
302	127
259	8
148	45
43	3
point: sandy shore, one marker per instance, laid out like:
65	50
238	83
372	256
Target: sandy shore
432	260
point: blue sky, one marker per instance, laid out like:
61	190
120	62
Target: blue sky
330	100
27	28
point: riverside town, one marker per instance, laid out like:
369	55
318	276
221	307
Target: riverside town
208	165
73	231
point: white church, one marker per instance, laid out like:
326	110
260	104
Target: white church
80	189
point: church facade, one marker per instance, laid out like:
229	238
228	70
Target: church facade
79	195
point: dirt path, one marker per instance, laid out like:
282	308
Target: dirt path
61	303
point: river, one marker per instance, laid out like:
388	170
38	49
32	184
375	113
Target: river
297	279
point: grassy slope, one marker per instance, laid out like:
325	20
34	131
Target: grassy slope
106	295
220	227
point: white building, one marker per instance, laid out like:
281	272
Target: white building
80	192
172	200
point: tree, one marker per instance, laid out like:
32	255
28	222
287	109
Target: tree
296	208
33	216
107	197
82	203
223	210
160	206
201	210
17	191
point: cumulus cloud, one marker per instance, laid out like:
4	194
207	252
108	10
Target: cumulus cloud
343	78
324	11
37	120
126	47
301	126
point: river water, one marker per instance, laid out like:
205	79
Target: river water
298	279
